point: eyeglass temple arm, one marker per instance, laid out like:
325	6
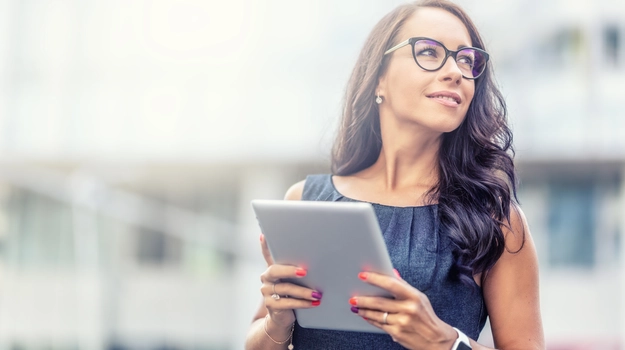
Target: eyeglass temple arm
400	45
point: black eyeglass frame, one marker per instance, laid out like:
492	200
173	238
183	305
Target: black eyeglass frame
448	53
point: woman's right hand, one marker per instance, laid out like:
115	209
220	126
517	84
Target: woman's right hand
291	295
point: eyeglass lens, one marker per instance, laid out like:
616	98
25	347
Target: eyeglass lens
431	54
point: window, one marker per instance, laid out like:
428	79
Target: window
561	49
157	248
612	44
571	223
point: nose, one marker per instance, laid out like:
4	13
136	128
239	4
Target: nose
450	71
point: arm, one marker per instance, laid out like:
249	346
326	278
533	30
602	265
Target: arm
279	329
510	291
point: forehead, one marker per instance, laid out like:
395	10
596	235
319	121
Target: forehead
437	24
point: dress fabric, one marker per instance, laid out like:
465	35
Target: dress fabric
422	255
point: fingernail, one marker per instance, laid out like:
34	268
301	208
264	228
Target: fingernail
396	273
262	236
354	309
353	301
300	272
363	276
316	295
315	302
366	319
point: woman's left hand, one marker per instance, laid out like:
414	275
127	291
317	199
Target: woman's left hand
411	321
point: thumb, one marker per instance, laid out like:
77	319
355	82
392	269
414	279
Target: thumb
265	248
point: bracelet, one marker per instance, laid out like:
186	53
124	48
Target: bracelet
290	347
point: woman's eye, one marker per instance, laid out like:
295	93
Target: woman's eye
427	52
465	60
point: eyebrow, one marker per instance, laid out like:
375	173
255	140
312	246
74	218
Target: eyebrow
407	41
461	46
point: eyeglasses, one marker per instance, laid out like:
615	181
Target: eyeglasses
431	55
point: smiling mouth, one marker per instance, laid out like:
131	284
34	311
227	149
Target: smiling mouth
446	98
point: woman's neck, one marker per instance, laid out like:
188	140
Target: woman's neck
408	159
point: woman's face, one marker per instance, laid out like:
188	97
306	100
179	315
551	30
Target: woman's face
414	95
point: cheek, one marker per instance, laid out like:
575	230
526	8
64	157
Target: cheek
411	92
406	82
470	94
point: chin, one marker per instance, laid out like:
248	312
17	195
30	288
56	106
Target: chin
448	126
441	124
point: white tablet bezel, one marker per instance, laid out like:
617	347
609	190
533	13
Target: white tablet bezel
333	241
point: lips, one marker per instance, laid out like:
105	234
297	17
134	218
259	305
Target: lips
446	96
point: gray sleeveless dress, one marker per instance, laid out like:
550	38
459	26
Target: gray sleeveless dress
421	254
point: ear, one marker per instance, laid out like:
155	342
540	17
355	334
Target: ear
381	87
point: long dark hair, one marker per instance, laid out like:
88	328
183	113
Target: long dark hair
477	181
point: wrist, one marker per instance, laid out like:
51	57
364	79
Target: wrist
462	342
449	337
277	332
277	327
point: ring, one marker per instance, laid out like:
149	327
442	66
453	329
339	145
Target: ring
384	318
275	295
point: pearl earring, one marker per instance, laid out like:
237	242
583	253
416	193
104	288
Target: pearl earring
378	99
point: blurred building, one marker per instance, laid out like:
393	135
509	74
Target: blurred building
134	134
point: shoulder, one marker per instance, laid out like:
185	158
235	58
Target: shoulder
516	231
519	255
295	192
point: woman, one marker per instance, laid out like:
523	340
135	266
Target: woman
424	139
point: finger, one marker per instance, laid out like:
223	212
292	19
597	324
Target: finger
378	316
265	248
385	327
377	304
399	288
276	272
397	274
290	289
289	303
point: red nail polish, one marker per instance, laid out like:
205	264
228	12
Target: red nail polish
261	237
300	272
363	276
315	302
364	318
396	273
353	301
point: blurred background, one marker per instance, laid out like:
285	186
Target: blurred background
133	135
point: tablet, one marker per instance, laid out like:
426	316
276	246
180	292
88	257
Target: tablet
333	241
